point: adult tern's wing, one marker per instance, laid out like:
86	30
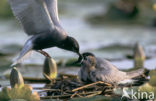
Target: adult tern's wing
33	15
53	11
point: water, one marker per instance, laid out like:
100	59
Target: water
103	40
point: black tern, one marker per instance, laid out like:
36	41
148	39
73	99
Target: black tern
40	20
95	69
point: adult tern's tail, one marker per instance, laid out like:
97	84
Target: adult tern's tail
24	53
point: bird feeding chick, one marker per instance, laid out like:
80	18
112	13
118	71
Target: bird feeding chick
39	19
95	69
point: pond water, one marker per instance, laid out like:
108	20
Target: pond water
106	41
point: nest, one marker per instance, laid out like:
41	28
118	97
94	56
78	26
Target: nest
68	86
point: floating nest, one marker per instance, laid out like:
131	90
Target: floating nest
69	86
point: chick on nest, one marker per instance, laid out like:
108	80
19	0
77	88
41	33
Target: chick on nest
95	69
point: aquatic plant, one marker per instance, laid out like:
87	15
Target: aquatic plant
152	80
50	68
148	89
23	93
139	56
16	78
5	11
18	90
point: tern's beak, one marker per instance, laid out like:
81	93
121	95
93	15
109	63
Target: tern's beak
79	59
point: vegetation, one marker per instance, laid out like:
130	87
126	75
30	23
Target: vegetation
140	12
24	94
18	90
5	11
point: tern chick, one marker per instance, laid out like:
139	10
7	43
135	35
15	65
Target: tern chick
96	69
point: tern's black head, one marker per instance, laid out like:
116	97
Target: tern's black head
71	44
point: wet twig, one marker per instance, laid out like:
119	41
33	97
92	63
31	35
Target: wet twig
86	86
68	87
